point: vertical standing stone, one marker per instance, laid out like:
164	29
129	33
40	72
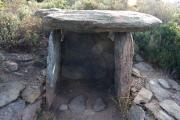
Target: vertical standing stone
123	52
54	64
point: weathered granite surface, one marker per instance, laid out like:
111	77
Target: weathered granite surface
97	20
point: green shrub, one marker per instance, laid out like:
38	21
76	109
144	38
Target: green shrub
24	11
1	5
88	5
161	46
53	4
30	30
99	4
160	9
8	31
19	28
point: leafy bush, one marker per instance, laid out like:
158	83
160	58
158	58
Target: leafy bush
30	30
53	4
19	28
99	4
88	5
1	4
8	31
161	46
162	10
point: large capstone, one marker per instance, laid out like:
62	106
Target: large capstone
97	20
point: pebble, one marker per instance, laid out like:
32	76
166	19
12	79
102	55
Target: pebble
63	107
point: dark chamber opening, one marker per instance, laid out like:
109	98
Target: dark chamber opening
88	61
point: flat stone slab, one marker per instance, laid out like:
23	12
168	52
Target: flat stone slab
171	107
158	113
97	20
31	111
159	92
13	111
9	92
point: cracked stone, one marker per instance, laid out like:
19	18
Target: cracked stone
9	92
157	111
12	111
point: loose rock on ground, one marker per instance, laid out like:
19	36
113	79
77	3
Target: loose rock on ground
78	104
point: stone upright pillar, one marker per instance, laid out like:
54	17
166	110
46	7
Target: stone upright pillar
53	65
123	53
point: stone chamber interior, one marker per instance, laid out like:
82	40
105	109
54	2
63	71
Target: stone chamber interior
88	58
